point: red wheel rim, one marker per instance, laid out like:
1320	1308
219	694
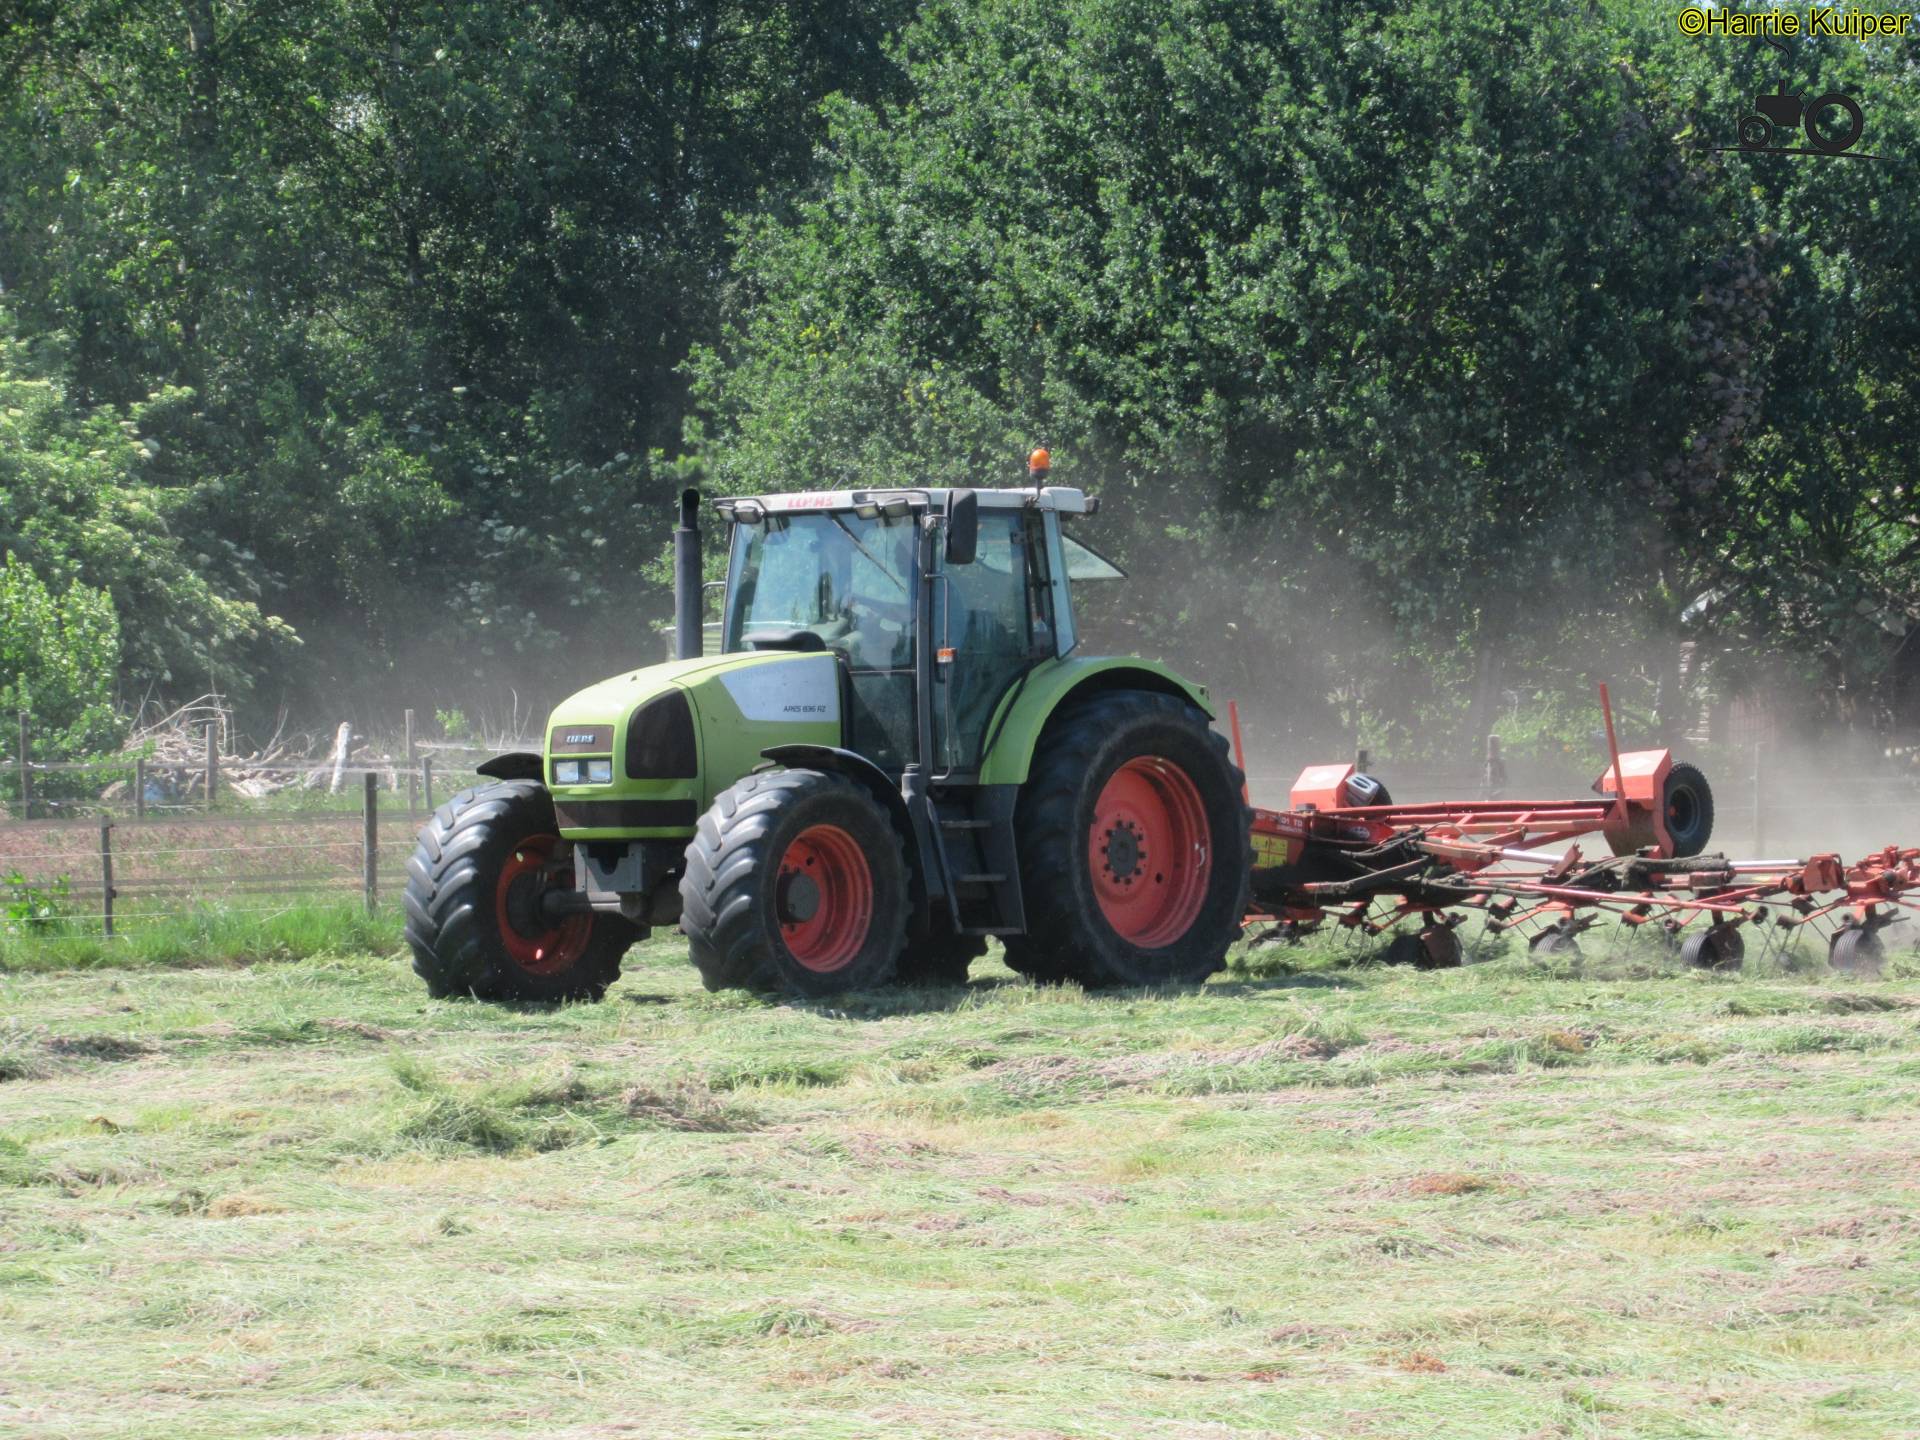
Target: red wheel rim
536	945
1149	853
823	898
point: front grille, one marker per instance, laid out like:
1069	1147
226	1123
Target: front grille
660	743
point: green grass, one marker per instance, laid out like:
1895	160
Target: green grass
202	934
296	1198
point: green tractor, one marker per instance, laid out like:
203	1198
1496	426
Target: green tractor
897	752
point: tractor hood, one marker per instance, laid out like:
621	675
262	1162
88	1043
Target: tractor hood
669	737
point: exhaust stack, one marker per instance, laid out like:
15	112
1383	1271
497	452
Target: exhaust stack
687	638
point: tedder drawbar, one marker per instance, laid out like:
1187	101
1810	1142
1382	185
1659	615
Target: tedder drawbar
897	750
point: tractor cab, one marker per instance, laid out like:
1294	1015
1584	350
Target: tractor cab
975	582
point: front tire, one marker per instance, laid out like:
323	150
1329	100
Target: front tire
475	920
1134	846
796	880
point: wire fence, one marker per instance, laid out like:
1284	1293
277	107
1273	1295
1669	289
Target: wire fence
191	771
95	878
115	852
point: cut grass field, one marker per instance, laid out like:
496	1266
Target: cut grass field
295	1198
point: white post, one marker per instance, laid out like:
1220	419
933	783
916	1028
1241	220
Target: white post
342	741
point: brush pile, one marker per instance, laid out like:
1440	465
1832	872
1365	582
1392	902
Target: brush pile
175	750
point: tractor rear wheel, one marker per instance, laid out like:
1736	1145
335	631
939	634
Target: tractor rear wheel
476	917
1134	846
796	880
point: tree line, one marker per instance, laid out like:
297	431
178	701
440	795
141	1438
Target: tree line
1431	358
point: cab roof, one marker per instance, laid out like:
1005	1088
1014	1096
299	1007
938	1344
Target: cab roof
1065	499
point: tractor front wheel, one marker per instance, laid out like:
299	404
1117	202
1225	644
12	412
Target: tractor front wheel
796	880
477	918
1134	846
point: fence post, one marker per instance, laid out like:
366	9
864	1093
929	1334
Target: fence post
370	841
106	877
426	780
26	770
213	762
413	777
1759	805
140	789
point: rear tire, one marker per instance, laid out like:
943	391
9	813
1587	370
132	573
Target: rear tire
796	880
1134	846
472	903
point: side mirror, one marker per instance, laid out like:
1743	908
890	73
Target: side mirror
963	527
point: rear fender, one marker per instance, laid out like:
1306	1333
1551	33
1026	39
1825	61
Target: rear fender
1024	712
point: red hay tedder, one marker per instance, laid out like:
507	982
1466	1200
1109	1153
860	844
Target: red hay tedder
1344	853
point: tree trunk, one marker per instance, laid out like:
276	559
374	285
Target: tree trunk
199	136
1489	678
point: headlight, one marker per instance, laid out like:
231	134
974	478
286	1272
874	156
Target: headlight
566	772
599	772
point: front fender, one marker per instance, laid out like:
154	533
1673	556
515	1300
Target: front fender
513	765
854	766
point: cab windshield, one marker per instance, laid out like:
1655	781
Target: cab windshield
849	580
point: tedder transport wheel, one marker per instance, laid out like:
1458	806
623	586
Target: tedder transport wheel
796	880
1689	803
1134	846
939	960
475	919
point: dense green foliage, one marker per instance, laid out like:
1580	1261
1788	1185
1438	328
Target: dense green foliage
413	281
59	654
87	497
1440	326
1429	355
